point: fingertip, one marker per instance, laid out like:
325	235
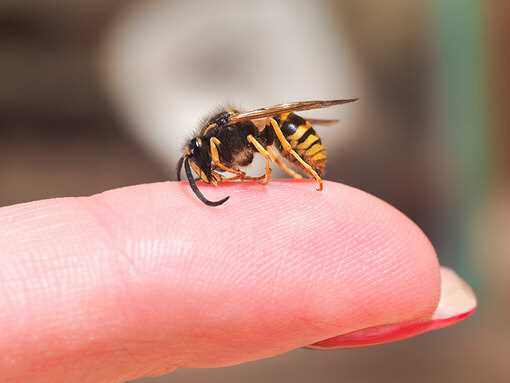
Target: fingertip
457	303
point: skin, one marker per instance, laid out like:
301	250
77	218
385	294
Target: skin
143	280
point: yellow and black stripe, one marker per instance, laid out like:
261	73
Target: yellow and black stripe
304	140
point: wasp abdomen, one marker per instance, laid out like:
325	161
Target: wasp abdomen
304	140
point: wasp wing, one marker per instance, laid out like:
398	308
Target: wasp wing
320	121
285	108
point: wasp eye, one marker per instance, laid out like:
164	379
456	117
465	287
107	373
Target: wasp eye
195	146
196	143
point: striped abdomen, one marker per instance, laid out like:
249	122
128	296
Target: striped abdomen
304	140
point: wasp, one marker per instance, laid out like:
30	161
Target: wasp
229	140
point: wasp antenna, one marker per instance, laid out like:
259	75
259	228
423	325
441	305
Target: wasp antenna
195	189
179	168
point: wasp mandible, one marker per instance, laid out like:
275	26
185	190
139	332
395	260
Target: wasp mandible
229	139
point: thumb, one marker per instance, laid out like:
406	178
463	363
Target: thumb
142	280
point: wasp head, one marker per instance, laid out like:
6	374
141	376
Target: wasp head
197	158
197	150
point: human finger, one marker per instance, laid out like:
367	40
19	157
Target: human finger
142	280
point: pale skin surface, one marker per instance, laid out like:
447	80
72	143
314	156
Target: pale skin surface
143	280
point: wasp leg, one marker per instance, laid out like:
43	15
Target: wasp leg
238	177
200	174
238	174
242	178
218	178
215	157
287	148
267	156
282	165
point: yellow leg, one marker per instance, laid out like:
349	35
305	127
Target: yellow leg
215	157
239	175
222	178
287	148
267	156
200	173
282	165
242	178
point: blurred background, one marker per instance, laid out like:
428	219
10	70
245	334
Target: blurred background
98	94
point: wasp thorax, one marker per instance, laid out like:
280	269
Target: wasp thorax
219	119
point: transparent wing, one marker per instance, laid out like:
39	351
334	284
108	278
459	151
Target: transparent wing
320	121
285	108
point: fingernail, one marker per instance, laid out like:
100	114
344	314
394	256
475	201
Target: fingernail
457	302
389	333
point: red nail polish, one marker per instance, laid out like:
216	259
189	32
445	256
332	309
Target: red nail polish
388	333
